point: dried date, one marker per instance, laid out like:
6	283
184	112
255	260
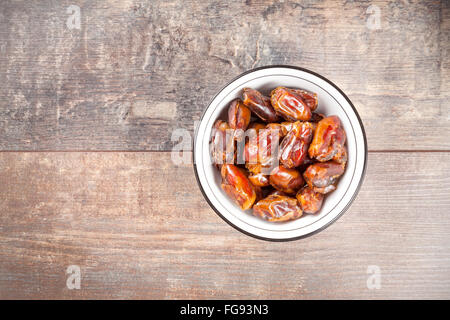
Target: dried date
277	208
238	187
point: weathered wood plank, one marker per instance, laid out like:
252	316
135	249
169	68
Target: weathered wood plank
139	228
136	70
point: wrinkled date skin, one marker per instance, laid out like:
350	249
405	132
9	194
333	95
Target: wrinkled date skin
294	147
238	187
310	201
329	139
288	104
322	176
222	143
277	208
286	126
286	180
342	156
310	98
260	150
259	105
277	128
238	117
259	180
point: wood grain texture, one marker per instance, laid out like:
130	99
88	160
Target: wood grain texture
138	69
139	228
136	224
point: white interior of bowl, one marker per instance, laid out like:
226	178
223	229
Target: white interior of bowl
331	102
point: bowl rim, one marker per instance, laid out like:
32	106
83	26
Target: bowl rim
363	173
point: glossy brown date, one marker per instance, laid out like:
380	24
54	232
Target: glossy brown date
309	200
286	126
289	105
310	98
294	147
238	117
259	105
238	187
277	208
259	179
329	139
286	180
322	176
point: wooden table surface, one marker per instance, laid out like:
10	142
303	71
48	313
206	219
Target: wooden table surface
91	91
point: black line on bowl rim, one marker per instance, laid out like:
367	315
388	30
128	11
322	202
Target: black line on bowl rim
356	190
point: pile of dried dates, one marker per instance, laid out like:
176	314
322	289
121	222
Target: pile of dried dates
276	155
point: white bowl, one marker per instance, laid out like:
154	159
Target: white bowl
332	101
